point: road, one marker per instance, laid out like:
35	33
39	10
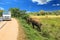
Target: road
9	31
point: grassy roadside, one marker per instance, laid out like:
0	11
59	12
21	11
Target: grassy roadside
50	29
23	36
31	34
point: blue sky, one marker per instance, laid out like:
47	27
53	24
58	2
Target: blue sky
30	5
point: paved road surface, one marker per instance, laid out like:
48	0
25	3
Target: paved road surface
9	31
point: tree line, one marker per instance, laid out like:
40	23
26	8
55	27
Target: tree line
42	12
16	12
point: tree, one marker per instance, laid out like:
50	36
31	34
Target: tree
58	12
42	12
22	12
15	12
1	11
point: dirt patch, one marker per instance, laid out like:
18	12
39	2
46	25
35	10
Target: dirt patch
10	31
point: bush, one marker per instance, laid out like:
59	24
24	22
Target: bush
25	16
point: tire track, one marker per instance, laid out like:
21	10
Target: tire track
3	25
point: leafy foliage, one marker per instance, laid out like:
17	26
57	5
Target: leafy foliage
1	11
15	12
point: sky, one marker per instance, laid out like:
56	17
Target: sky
31	5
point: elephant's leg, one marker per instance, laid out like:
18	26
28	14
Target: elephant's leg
33	25
39	28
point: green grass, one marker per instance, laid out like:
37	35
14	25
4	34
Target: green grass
50	29
31	33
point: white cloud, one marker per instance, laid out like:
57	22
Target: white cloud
56	4
41	2
1	8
